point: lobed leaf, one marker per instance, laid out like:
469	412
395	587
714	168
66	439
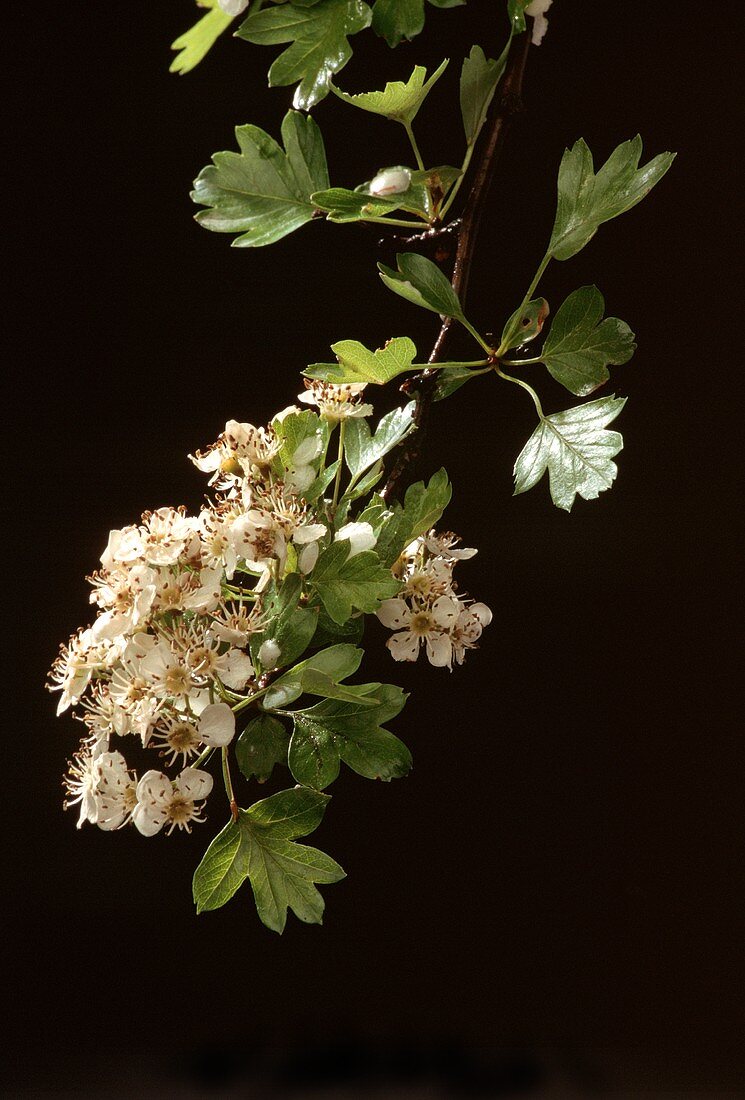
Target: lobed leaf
356	363
263	744
576	449
362	450
263	192
420	281
332	731
319	37
196	43
586	199
347	584
396	20
478	81
581	345
260	846
399	100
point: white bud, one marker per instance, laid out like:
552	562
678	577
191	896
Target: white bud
269	654
392	181
232	7
537	9
361	537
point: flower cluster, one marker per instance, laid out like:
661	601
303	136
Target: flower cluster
429	610
171	655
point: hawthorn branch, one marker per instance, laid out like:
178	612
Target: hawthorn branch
506	105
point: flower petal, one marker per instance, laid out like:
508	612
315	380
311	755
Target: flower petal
194	783
404	646
217	725
394	613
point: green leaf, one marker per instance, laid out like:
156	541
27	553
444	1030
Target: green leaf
320	45
362	450
399	524
263	192
345	584
313	756
294	429
342	205
450	377
395	20
478	81
424	504
580	346
317	675
576	449
260	846
263	743
195	43
421	282
586	200
290	626
516	13
398	101
356	363
525	324
330	633
350	731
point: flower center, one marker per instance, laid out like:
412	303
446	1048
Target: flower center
177	681
180	810
421	623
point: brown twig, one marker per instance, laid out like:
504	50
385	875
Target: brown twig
506	104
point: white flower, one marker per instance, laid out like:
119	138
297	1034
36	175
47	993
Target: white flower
306	536
467	629
104	788
179	736
416	625
300	474
334	402
391	181
161	802
361	537
165	533
537	9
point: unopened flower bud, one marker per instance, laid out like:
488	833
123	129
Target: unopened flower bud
269	653
232	7
392	181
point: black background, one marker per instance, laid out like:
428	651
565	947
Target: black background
554	897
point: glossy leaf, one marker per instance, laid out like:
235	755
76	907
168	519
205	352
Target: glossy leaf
263	192
396	525
396	20
362	449
342	205
577	450
345	584
421	282
356	363
586	199
351	731
478	81
320	674
263	743
581	345
260	846
399	100
320	43
195	43
516	13
451	377
288	625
